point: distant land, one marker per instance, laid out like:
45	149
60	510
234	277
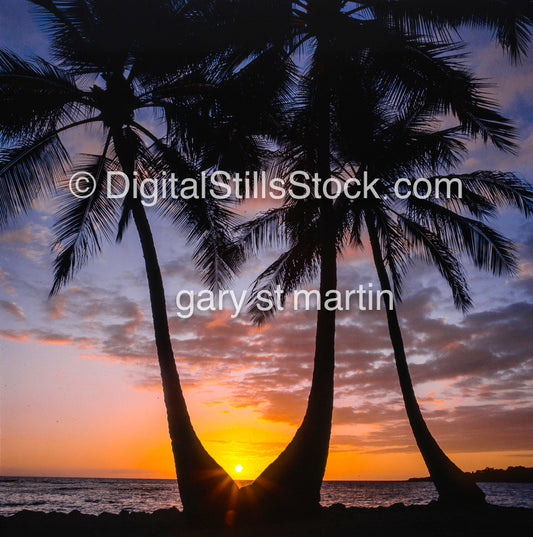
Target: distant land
513	474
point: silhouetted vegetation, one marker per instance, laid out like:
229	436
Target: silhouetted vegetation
380	89
513	474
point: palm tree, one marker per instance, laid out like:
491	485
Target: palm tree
453	485
434	229
428	231
115	61
438	234
437	229
341	45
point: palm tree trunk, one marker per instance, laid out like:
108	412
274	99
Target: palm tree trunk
291	484
206	489
453	485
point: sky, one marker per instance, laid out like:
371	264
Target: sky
80	390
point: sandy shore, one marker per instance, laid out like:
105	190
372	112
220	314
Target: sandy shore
335	521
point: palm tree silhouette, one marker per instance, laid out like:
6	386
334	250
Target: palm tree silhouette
438	230
433	229
340	47
114	62
140	56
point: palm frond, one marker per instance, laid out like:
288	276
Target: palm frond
91	36
488	249
83	223
265	230
394	248
443	84
503	189
420	150
209	222
29	171
210	226
295	267
430	248
508	20
35	97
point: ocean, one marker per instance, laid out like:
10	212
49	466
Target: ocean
95	496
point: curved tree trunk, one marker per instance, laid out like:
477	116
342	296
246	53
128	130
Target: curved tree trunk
206	489
453	485
291	484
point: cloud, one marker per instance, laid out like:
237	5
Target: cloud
5	283
93	318
27	241
54	307
14	335
514	83
56	338
460	366
12	309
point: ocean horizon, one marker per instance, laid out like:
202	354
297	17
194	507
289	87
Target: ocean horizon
94	496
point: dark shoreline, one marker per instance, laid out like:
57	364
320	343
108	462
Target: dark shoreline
336	521
513	474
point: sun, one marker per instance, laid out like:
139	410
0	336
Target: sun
238	468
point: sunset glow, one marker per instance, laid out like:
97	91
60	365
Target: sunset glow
80	383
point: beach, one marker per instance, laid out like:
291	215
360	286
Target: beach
335	521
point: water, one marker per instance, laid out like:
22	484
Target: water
94	496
